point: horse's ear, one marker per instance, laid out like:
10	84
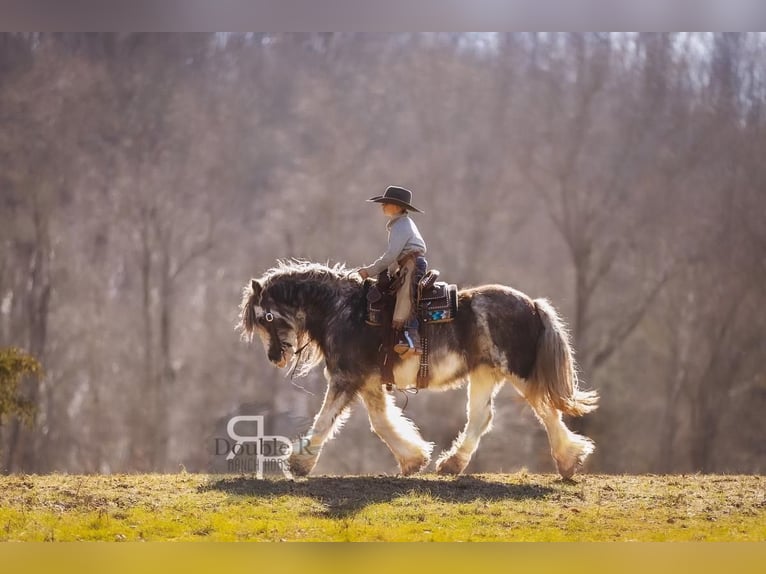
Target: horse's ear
250	298
256	286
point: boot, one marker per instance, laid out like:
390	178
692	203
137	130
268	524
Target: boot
408	340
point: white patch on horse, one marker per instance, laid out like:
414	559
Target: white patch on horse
443	371
446	370
406	372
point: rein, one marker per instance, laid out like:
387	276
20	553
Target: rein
406	392
296	362
297	356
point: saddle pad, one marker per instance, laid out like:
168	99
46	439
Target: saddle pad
438	304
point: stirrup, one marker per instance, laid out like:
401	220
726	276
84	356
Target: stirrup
405	348
411	352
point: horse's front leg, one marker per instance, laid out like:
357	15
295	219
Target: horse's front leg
335	410
397	431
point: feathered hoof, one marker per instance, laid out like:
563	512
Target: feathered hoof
301	465
572	459
451	465
567	471
413	465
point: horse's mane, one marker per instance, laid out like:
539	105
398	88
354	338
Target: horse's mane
311	270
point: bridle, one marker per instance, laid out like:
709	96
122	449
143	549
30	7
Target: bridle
269	317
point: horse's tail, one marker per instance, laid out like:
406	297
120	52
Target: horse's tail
247	311
554	378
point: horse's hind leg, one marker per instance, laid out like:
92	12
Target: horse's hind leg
329	419
397	431
568	449
482	389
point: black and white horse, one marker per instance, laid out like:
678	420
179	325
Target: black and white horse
307	312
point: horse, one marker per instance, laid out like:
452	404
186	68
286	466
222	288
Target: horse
306	313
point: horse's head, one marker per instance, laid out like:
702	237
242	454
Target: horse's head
278	327
290	306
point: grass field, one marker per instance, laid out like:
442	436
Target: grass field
520	506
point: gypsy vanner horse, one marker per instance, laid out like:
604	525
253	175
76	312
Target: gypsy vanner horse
306	313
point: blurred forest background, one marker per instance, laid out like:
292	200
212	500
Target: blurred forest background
145	178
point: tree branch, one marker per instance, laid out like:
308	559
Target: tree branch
624	330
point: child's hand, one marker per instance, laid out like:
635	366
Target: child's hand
363	274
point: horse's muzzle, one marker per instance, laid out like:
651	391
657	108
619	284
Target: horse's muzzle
280	354
280	358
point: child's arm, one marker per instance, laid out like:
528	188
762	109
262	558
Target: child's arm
397	239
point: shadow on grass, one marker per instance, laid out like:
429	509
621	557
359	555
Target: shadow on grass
345	496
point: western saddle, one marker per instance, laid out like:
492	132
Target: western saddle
435	302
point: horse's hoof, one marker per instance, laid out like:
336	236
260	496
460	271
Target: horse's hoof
572	459
451	465
413	465
567	471
301	466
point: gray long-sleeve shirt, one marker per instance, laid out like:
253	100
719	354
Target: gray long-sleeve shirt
403	238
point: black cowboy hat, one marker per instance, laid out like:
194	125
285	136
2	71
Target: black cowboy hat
397	196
